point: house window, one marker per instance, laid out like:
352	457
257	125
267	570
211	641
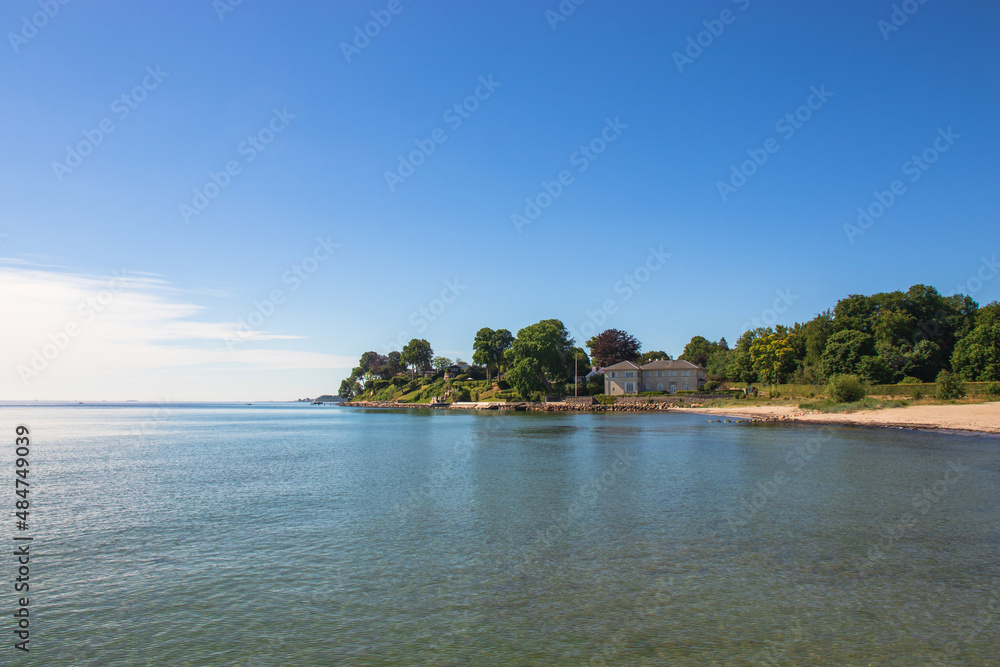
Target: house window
687	387
686	373
659	387
629	386
673	374
647	386
630	374
659	374
614	374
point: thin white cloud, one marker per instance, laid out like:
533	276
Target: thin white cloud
63	327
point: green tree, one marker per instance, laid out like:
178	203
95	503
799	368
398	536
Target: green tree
440	363
875	370
741	367
525	377
652	355
772	357
612	346
844	350
977	355
698	350
717	367
548	343
845	388
346	389
949	386
489	347
417	354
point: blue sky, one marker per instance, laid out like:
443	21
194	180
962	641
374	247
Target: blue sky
306	255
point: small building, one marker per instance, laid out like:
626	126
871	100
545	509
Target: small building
453	371
627	377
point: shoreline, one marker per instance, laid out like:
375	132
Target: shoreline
979	418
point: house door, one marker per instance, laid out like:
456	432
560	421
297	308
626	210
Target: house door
659	387
673	388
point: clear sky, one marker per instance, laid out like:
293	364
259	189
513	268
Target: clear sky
207	200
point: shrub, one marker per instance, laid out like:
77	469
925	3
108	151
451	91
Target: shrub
845	389
918	393
605	399
462	395
711	386
909	379
992	389
949	386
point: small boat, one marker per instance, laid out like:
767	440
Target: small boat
439	404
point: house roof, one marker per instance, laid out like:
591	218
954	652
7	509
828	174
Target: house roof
673	365
623	365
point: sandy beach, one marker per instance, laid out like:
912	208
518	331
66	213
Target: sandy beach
979	417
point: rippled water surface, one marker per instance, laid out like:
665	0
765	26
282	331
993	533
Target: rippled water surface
306	535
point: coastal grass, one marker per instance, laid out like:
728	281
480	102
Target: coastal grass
866	403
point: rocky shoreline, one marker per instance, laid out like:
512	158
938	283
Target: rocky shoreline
622	405
983	418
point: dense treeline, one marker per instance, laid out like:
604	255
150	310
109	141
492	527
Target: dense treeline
884	338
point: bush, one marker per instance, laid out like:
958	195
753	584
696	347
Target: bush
605	399
845	389
949	386
918	394
992	389
909	379
462	396
711	386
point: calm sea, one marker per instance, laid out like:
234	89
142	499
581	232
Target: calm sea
292	534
